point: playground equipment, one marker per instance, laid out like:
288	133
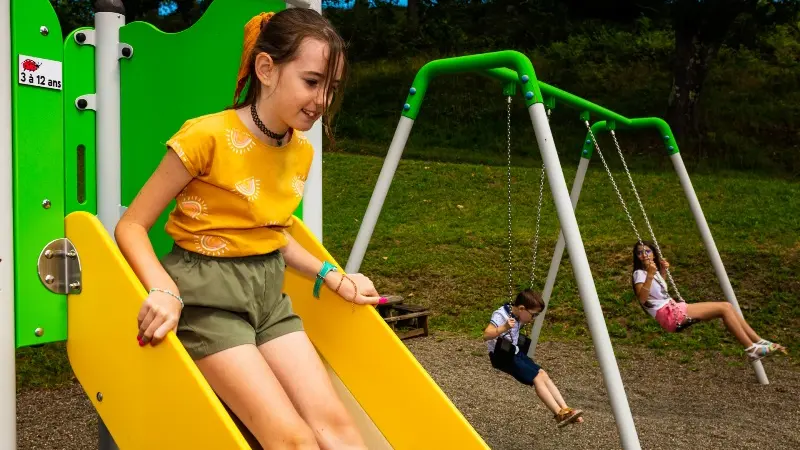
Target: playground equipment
81	129
515	70
611	122
512	67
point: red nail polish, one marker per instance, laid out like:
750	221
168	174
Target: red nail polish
382	300
142	344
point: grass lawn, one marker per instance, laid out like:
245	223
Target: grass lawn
441	242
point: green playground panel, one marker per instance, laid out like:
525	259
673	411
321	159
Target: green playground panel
80	163
173	77
38	172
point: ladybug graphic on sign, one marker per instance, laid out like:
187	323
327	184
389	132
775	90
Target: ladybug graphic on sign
30	65
40	72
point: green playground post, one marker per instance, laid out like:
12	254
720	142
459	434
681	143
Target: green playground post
37	134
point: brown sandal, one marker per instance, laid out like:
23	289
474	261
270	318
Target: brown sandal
567	416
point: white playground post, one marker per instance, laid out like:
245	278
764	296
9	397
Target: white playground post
312	197
8	376
108	19
584	280
558	253
379	194
711	248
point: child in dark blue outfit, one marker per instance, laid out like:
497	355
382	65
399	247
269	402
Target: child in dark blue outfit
503	331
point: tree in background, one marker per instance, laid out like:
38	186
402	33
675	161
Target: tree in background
80	13
667	51
701	27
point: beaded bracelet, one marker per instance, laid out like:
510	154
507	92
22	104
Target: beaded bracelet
355	287
339	286
168	292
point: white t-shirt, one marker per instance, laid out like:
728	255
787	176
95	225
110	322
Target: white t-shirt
499	318
658	295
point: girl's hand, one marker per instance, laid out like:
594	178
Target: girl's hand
664	264
158	315
354	287
651	268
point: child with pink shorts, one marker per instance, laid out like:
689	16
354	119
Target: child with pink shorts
651	291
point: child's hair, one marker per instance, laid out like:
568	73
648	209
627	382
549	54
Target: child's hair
530	299
280	36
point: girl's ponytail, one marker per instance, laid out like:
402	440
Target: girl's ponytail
251	32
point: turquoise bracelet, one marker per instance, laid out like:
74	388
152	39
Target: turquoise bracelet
326	267
168	292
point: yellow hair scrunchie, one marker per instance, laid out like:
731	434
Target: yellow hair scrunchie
251	32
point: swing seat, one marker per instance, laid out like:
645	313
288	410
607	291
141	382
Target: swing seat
505	351
686	324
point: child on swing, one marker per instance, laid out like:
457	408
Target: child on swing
650	288
505	323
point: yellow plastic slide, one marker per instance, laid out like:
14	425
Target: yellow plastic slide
155	397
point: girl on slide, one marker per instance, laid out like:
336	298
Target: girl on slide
237	176
651	291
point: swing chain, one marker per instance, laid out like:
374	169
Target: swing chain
613	183
508	185
641	207
538	210
538	220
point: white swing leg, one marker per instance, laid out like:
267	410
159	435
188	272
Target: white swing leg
711	248
390	164
583	277
555	263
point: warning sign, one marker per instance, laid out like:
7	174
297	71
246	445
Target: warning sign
39	72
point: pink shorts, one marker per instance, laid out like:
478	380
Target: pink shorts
671	315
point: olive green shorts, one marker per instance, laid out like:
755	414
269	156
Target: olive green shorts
230	301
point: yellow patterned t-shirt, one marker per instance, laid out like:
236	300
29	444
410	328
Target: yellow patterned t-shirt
243	191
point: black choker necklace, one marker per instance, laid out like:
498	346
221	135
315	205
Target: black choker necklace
264	129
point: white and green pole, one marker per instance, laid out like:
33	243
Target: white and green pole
584	279
558	252
108	19
555	262
379	194
711	248
8	380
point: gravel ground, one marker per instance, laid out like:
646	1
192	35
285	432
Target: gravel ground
706	404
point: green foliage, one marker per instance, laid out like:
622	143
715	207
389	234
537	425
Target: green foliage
749	104
620	55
